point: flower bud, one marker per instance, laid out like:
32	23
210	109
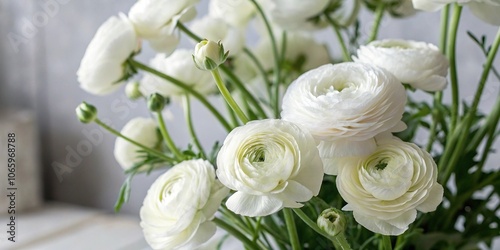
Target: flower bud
332	221
156	102
132	90
208	55
86	113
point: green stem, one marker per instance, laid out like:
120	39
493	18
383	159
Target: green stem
438	96
232	116
443	38
386	243
451	51
379	13
491	121
274	44
246	94
189	122
145	148
185	87
227	96
261	70
188	32
457	153
345	52
292	229
239	84
237	234
343	244
166	136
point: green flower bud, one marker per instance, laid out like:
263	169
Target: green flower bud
86	113
156	102
132	90
332	221
208	55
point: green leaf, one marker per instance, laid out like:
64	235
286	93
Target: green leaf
124	193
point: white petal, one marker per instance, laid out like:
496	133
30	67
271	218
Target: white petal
331	152
378	226
432	83
435	198
486	12
427	5
252	205
202	235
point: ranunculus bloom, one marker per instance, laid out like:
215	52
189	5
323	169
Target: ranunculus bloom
419	64
294	14
271	164
234	12
141	130
486	10
216	29
101	68
179	65
344	106
385	189
155	20
180	205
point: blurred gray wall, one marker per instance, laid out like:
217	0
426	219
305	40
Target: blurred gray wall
42	43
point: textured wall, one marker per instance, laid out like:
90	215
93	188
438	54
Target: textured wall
41	75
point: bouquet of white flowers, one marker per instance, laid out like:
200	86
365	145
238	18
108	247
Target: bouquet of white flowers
319	150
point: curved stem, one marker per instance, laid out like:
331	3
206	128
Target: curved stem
451	51
274	44
261	69
237	234
292	229
239	84
189	121
166	136
188	32
227	96
345	52
246	94
145	148
457	153
185	87
379	13
438	96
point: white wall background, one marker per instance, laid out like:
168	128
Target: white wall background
37	71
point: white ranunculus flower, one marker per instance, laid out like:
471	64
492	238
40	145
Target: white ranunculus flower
101	68
271	164
344	106
385	189
295	14
235	12
179	206
179	65
419	64
155	21
142	130
486	10
217	29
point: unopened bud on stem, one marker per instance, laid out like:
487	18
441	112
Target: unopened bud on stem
332	221
156	102
208	55
86	113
